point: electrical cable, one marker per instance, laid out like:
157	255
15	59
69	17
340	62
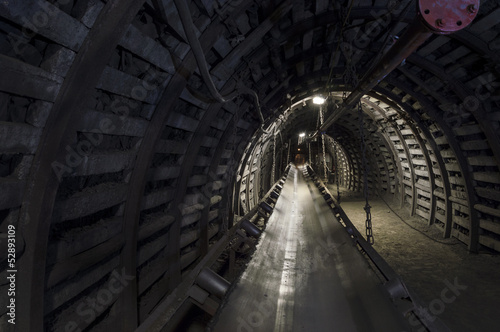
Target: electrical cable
446	243
194	43
381	52
390	208
338	45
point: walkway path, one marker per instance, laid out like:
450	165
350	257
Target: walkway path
306	274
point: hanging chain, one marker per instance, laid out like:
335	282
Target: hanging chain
274	158
335	152
368	223
288	155
309	148
323	142
350	76
317	160
261	178
317	121
232	169
344	15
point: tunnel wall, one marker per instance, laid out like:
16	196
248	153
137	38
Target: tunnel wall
111	166
116	164
422	165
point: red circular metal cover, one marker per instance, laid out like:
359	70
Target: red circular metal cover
447	16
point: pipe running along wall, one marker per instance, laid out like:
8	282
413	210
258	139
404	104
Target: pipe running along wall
194	43
443	17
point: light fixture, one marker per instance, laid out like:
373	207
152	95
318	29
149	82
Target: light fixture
298	149
318	100
302	134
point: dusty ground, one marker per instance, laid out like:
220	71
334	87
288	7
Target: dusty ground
426	265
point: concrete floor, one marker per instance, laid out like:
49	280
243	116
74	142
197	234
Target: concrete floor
426	266
307	275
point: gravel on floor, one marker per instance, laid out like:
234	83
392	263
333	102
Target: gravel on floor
428	264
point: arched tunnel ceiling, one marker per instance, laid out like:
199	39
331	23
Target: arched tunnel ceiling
114	154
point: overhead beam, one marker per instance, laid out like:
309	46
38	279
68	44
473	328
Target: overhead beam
441	18
225	69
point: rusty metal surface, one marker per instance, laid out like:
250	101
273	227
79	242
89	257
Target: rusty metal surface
445	17
307	275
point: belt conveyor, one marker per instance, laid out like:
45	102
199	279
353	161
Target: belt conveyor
307	274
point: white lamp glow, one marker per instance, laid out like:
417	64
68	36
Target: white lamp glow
302	134
318	100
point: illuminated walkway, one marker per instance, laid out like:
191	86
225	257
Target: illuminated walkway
306	274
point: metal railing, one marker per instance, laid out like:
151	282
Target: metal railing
394	284
166	310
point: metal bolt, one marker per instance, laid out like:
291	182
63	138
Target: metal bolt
471	8
440	22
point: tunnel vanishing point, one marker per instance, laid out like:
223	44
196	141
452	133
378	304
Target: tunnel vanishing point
141	139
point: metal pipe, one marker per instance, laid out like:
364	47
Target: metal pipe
189	29
212	282
248	91
434	17
250	228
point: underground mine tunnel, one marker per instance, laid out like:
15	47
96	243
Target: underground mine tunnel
265	165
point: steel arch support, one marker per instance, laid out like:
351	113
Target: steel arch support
138	180
37	208
462	161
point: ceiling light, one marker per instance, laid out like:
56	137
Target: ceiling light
318	100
